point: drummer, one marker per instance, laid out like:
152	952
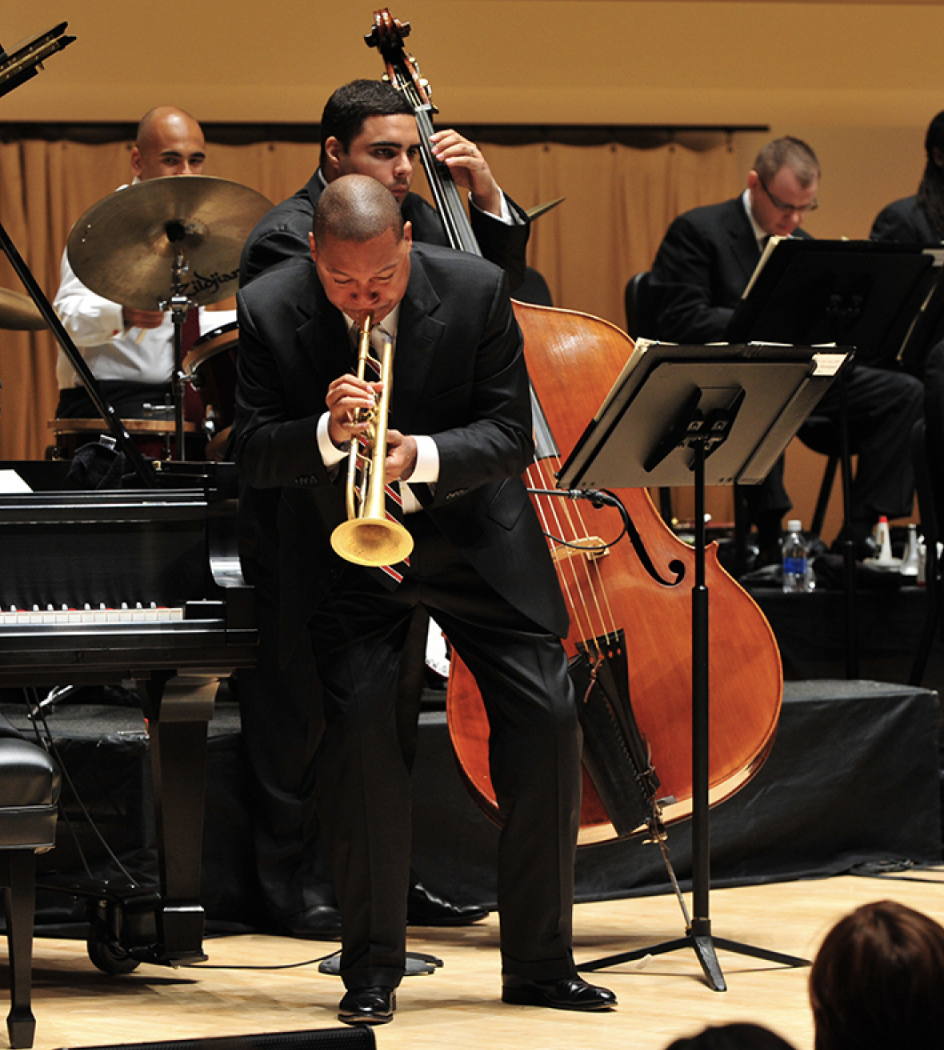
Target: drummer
131	351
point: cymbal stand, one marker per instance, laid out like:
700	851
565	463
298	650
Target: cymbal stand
178	305
125	442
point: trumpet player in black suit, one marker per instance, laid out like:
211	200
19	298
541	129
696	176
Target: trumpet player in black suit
458	437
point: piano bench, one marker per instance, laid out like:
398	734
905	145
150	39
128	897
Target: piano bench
29	797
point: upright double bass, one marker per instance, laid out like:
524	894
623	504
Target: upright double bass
630	641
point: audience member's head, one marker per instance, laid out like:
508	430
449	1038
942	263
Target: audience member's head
878	981
741	1036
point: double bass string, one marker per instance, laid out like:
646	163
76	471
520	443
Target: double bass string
580	579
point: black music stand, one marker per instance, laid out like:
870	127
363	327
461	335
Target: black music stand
697	415
868	295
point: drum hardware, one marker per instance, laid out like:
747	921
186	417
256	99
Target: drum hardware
69	434
210	368
162	411
171	244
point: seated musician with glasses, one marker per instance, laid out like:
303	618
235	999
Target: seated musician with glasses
700	272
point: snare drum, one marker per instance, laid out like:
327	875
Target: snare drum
210	368
154	437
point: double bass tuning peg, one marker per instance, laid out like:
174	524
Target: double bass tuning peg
385	29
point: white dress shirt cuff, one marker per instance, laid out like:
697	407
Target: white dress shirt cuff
508	217
331	455
426	470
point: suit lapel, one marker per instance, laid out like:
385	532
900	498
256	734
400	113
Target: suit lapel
321	336
419	335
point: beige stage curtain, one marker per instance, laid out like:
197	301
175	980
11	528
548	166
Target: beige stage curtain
618	202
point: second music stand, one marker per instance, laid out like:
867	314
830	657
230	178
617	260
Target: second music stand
699	415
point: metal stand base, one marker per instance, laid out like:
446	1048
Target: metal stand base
703	944
416	963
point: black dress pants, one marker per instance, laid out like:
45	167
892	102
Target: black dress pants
363	781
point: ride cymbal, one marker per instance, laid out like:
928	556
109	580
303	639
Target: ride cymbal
124	247
19	311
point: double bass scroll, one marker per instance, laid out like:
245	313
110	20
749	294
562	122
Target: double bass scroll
402	72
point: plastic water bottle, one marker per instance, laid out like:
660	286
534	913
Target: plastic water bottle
883	541
796	569
910	559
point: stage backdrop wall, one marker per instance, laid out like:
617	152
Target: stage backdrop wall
863	103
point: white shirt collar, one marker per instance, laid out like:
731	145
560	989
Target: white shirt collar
760	235
389	324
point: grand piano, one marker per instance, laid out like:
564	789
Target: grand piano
140	587
137	583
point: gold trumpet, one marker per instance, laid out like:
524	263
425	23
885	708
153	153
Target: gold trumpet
369	537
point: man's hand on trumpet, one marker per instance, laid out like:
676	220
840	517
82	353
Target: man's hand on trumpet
401	456
348	398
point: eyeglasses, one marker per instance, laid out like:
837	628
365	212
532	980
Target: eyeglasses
788	209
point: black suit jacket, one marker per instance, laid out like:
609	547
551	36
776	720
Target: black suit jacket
701	270
282	233
459	376
903	221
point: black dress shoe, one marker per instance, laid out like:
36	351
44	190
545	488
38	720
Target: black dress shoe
426	909
321	922
567	993
373	1005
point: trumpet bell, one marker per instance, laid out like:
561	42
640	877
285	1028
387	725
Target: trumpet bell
372	541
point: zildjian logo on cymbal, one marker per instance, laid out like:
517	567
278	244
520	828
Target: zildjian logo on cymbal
212	282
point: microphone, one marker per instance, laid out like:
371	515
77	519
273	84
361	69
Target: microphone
598	497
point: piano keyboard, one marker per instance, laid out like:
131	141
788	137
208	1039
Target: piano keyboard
137	613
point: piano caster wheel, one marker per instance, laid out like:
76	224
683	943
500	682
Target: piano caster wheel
108	956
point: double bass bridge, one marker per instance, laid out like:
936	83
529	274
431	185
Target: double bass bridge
589	547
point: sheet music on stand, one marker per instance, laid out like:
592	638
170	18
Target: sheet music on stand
867	295
780	388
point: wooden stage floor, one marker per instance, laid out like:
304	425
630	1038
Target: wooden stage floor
255	984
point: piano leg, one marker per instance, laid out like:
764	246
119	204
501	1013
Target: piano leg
178	710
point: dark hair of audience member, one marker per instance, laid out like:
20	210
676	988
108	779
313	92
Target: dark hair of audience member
878	981
735	1036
